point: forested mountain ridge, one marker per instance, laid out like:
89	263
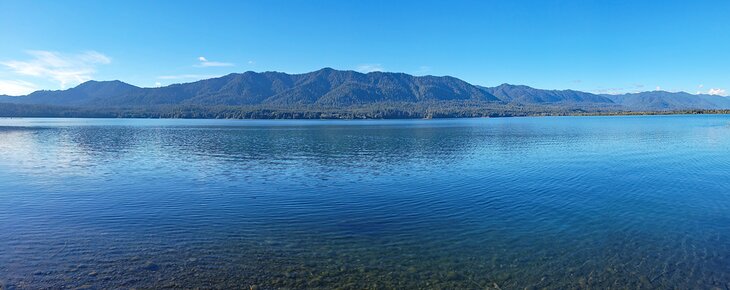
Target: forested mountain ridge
661	100
326	87
338	92
527	95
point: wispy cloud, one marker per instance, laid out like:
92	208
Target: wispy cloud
204	62
610	91
424	69
717	92
185	77
366	68
16	87
64	69
625	89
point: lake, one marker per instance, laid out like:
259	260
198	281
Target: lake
511	203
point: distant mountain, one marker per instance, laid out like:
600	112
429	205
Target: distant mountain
83	94
661	100
332	89
527	95
325	87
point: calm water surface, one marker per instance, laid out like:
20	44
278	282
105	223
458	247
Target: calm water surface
563	202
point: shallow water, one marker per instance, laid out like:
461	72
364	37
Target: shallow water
557	202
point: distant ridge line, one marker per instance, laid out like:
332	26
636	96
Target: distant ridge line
345	89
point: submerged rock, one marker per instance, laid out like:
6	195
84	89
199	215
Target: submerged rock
149	266
451	276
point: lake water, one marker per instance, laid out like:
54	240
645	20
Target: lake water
513	203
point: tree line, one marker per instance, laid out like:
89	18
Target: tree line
426	110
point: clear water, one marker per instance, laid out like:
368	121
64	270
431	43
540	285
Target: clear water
563	202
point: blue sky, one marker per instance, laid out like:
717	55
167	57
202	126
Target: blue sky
597	46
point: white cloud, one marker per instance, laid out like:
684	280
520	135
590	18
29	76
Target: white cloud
65	69
158	84
717	92
701	86
610	91
204	62
658	88
16	87
214	64
185	77
251	62
366	68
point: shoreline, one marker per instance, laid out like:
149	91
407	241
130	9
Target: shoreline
585	114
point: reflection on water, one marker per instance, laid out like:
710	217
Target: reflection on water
621	202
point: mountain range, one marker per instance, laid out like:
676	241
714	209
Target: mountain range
330	88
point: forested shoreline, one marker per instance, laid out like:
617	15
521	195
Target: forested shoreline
371	111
